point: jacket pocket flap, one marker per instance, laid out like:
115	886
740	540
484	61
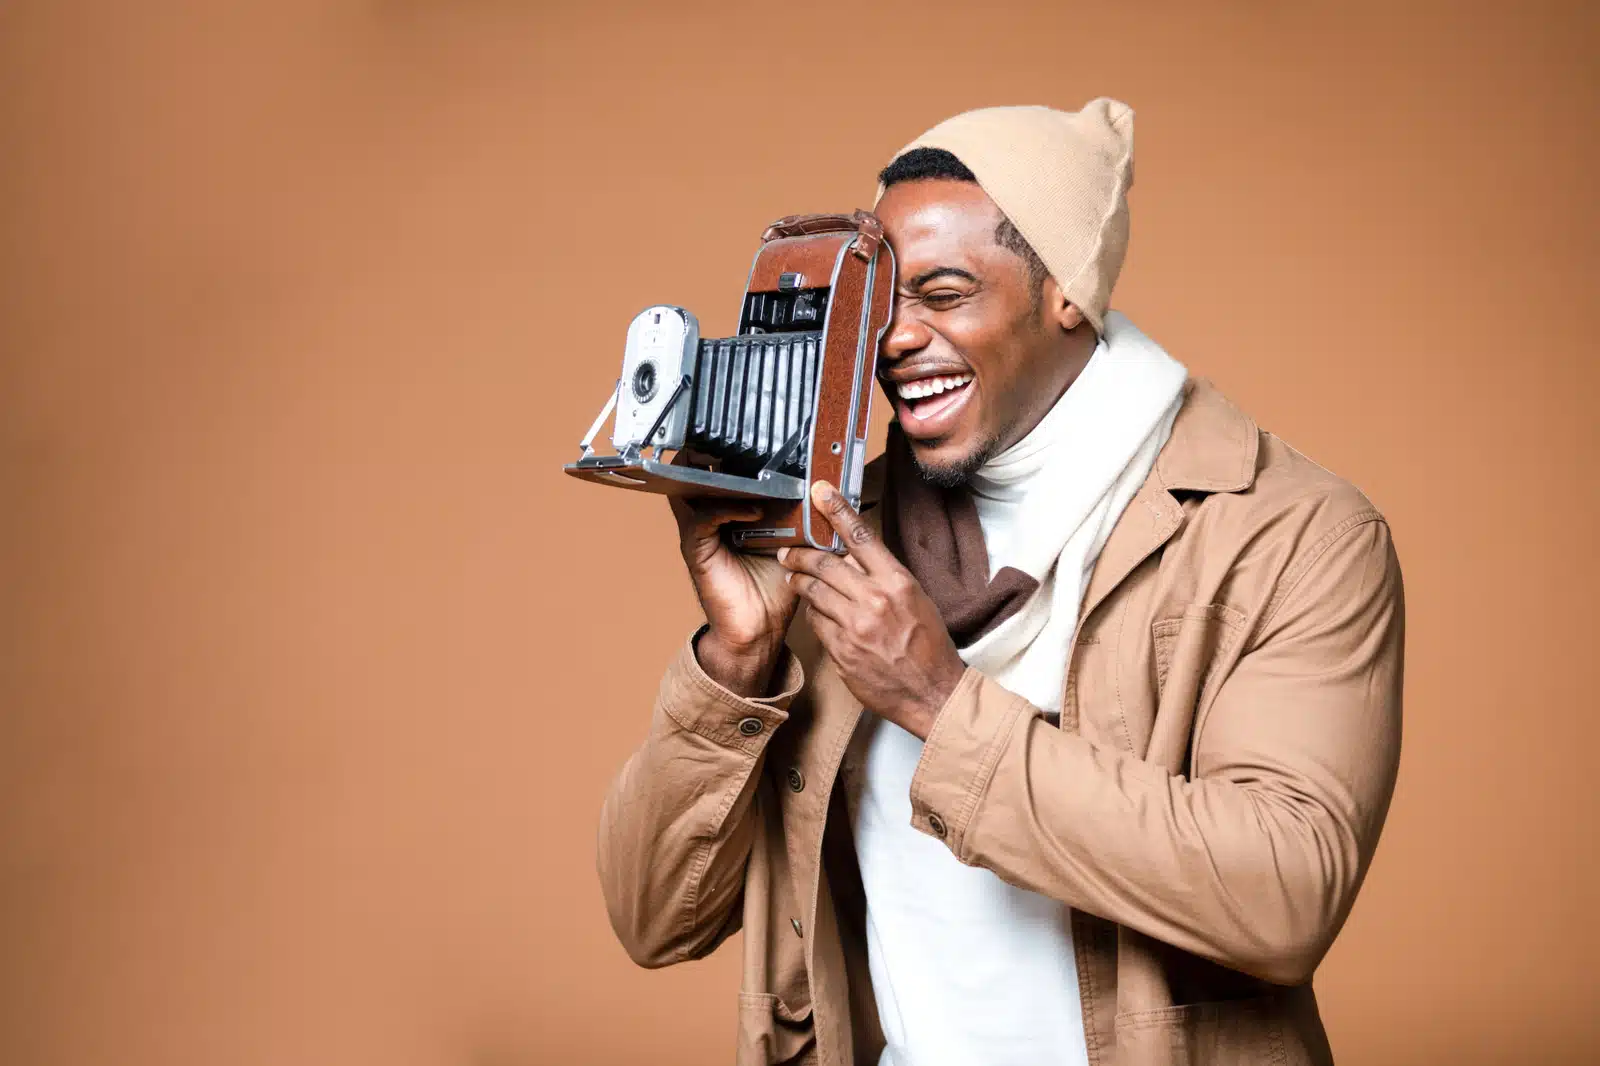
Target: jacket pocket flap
1211	1034
771	1033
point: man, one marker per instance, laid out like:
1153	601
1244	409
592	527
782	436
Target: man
1081	754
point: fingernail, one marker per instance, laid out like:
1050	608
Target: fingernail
788	576
783	553
823	490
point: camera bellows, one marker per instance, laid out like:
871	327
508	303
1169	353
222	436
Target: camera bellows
752	395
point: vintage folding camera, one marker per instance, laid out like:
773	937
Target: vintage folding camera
765	413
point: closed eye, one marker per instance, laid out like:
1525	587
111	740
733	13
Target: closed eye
942	299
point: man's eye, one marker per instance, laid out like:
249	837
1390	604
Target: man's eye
941	298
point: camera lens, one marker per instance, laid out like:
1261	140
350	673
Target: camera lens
644	381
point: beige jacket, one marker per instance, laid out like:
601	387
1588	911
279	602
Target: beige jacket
1207	804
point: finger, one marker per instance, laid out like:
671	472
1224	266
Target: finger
845	560
826	567
859	540
702	517
823	598
828	631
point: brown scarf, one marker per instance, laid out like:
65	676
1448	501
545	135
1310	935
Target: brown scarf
936	533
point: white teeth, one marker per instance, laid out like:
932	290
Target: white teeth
923	387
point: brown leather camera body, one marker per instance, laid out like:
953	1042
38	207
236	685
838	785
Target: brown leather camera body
780	405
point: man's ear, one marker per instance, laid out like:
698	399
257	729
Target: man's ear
1062	311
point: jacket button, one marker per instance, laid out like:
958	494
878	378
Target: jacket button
749	726
797	928
937	825
797	780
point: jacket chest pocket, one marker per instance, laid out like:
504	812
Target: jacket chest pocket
1192	653
1137	684
1193	650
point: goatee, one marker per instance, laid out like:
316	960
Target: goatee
955	475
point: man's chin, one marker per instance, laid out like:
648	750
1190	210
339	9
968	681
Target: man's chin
942	469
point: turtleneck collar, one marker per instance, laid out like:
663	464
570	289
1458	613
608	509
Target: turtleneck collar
1006	477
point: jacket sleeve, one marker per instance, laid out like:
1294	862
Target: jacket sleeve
1254	860
676	825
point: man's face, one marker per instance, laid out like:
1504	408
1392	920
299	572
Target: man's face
976	353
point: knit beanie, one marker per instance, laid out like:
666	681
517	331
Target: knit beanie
1062	178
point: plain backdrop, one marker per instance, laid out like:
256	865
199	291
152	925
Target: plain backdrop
314	667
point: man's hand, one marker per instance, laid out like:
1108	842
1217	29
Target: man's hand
748	605
879	627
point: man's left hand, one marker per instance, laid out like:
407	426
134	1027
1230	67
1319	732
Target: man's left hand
881	630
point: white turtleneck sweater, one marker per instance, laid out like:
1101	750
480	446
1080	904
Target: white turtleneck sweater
968	969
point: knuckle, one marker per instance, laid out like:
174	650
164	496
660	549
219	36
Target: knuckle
860	534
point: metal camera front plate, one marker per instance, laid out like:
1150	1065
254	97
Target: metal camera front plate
661	347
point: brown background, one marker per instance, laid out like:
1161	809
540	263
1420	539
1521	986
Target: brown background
314	668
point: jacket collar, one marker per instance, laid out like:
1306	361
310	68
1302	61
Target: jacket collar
1212	448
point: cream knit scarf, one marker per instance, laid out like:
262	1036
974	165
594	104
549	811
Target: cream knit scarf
1007	558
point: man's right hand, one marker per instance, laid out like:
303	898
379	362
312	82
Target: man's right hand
747	602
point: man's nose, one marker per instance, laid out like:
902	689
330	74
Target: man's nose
906	334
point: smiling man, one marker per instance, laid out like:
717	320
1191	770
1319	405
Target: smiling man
1082	753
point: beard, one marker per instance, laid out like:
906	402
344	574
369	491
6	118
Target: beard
955	475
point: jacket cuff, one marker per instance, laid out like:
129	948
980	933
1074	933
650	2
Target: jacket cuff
960	754
698	704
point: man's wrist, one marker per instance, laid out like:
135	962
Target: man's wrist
744	670
921	716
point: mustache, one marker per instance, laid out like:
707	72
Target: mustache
903	372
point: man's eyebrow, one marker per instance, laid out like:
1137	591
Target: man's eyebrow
938	272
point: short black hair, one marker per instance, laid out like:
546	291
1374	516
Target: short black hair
927	164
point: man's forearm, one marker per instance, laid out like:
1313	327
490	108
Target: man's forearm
676	827
1217	869
1253	860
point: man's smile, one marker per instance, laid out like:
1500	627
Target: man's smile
930	404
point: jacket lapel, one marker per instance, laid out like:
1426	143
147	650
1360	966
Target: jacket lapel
1212	448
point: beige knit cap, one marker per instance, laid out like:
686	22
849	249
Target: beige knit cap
1062	178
